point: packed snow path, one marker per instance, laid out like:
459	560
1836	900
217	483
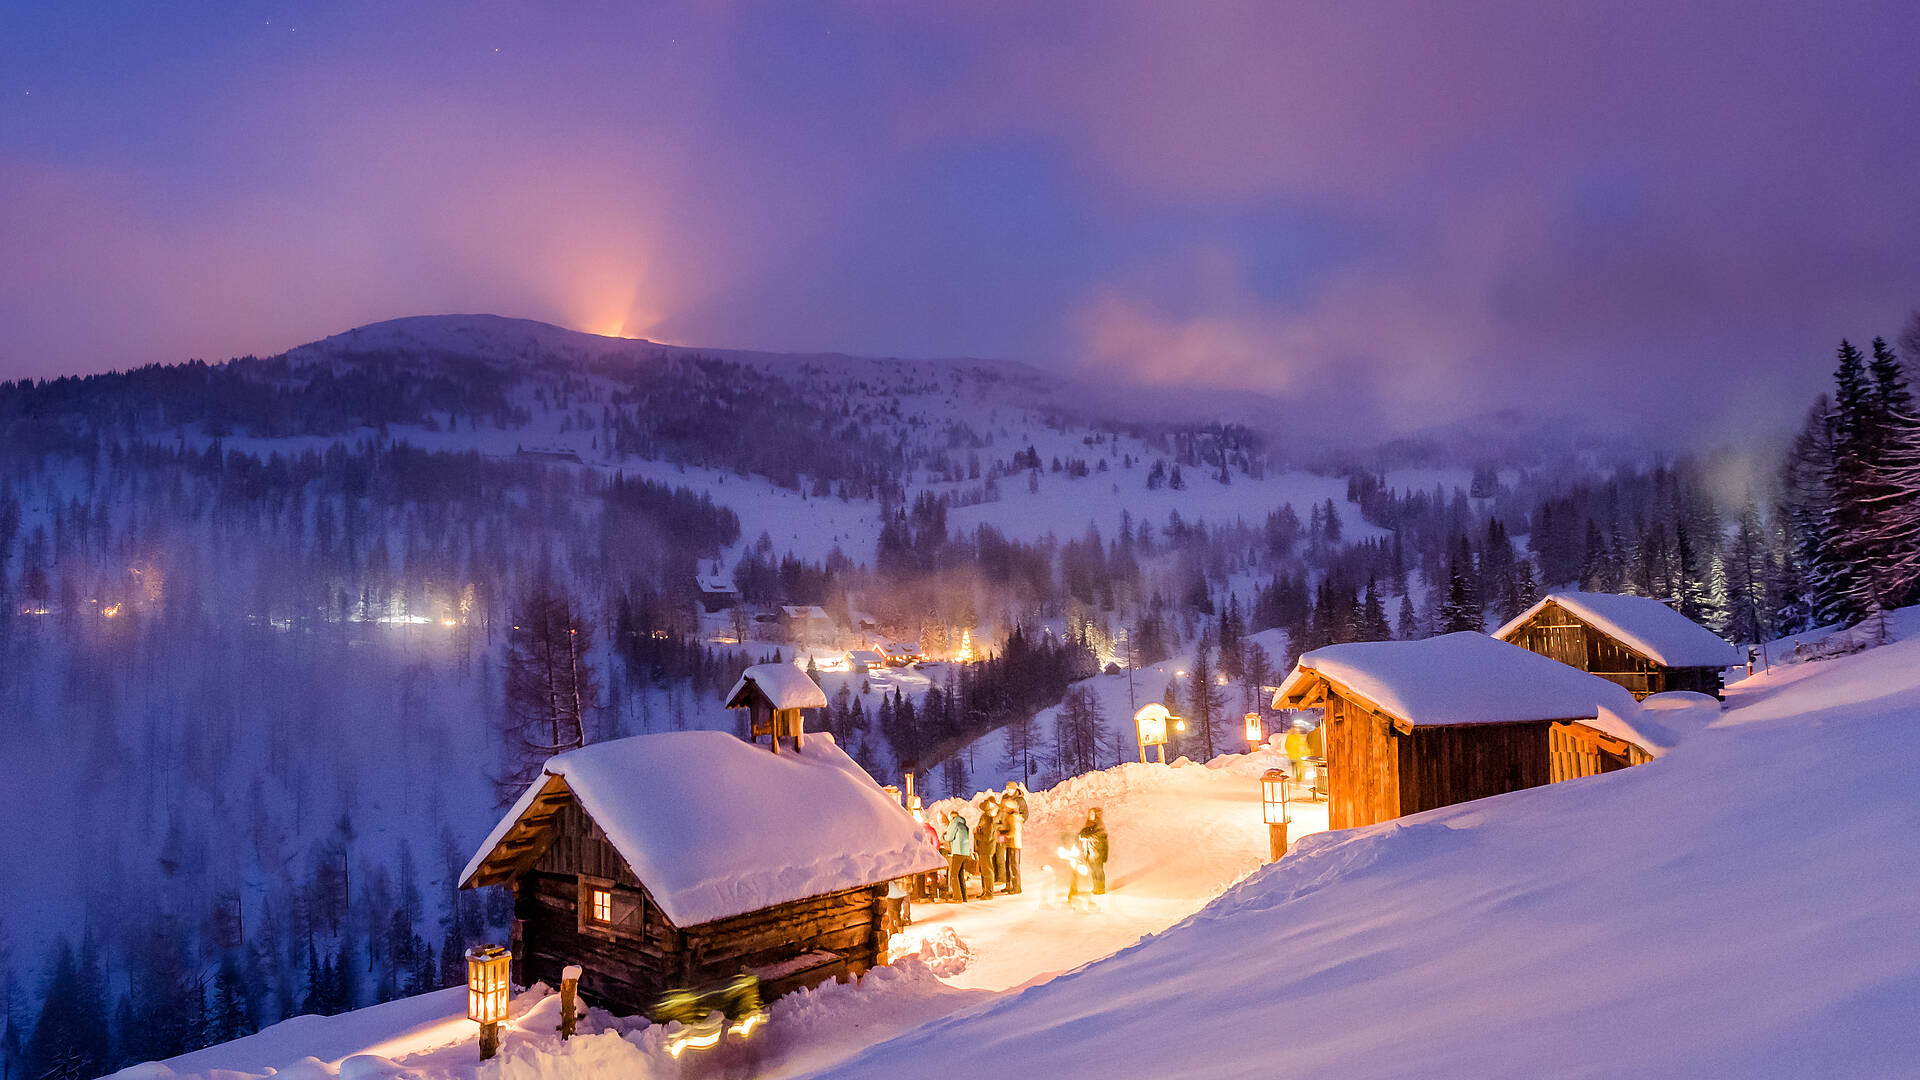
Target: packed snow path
1180	835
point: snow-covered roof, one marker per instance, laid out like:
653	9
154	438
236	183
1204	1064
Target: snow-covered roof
804	611
785	685
1641	623
716	583
1463	678
716	827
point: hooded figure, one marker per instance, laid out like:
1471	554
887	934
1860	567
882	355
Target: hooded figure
959	852
1093	846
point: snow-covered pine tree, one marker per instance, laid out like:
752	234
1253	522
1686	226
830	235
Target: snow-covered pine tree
1855	435
1888	574
1816	583
1407	626
1748	567
1460	610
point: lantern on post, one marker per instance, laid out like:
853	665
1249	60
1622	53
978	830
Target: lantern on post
1150	724
1274	808
487	990
1255	735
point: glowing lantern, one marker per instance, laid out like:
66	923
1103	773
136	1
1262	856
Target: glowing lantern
487	979
1274	808
1254	733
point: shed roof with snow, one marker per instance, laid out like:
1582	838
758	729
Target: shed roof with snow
715	827
783	685
1642	624
1463	678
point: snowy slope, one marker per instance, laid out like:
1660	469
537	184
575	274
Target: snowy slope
1743	906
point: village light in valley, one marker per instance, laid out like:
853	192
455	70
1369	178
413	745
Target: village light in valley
1274	808
487	989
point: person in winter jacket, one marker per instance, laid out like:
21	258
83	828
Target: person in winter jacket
986	844
1093	845
959	844
1012	825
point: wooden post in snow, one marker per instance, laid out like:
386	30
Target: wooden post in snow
569	993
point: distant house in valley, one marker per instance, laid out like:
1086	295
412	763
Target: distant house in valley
717	591
548	453
1414	725
1635	641
807	624
775	697
679	860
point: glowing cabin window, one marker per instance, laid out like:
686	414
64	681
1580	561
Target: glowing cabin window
600	906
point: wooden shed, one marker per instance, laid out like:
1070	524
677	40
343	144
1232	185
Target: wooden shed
1414	725
679	860
775	696
1635	641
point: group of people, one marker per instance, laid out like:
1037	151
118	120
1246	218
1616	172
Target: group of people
989	847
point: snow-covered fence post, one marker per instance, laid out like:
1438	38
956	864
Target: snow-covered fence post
569	992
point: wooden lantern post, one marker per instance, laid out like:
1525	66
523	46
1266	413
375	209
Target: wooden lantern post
487	993
1273	807
1255	736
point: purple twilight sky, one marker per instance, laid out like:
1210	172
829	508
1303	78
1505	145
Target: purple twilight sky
1418	211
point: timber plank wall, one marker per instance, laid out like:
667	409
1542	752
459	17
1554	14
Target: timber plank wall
1561	635
628	966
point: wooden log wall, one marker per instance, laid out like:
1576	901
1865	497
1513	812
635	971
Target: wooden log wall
628	966
846	924
1440	766
1363	768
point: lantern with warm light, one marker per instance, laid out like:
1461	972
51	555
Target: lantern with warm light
487	979
1273	806
1255	734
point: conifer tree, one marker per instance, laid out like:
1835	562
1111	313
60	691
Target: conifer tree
1407	626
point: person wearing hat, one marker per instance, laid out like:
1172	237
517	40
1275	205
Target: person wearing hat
1013	820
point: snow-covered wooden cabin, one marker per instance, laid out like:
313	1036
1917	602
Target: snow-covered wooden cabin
1635	641
680	859
774	695
1413	725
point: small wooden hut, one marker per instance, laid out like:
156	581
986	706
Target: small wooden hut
1635	641
1414	725
679	860
774	696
